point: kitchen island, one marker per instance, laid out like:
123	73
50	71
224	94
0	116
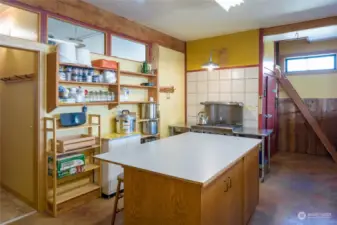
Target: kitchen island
190	179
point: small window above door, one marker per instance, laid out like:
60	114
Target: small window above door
311	63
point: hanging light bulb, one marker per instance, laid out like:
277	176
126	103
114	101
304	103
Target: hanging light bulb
210	65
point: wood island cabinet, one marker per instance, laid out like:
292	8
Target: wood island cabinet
229	198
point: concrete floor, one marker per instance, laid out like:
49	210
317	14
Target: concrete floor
11	207
297	183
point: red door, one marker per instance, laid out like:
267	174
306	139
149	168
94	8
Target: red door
269	110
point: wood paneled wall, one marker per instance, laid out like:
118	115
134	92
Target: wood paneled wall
92	15
295	135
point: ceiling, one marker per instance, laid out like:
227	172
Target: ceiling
312	35
195	19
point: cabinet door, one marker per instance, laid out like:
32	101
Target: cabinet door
222	199
251	183
234	200
214	206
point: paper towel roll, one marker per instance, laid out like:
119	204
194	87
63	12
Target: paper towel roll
67	52
83	56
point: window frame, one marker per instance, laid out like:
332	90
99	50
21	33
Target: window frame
43	28
334	55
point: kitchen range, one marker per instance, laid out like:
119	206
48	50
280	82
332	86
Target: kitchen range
226	118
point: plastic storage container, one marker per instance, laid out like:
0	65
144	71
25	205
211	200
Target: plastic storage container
109	64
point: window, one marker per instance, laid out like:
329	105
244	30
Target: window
60	31
124	48
19	23
310	63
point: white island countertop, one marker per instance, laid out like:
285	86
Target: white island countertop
190	156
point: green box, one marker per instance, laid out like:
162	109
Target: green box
67	165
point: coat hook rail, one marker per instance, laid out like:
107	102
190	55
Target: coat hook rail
17	78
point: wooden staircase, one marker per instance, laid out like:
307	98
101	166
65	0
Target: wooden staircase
292	93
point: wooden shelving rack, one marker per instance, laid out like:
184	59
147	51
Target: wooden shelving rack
153	91
70	191
53	81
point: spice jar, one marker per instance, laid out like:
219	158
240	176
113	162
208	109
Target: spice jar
74	77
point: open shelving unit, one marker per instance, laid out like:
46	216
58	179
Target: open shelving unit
53	82
153	91
66	192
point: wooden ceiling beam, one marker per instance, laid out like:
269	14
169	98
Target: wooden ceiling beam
92	15
329	21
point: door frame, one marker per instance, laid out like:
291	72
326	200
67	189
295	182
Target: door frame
40	112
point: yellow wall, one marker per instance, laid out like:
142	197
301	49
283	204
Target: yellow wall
172	72
310	85
17	148
240	49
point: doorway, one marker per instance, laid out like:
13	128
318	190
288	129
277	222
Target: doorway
18	136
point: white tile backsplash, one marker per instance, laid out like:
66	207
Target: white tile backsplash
251	123
238	86
202	76
238	73
225	97
252	85
251	72
191	99
238	97
213	75
192	76
191	87
250	113
192	110
252	99
202	87
225	74
213	97
225	86
192	120
201	98
213	86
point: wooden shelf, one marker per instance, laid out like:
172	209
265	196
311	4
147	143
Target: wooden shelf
135	102
136	74
90	167
88	103
84	66
146	120
138	86
53	83
77	127
86	83
74	193
76	150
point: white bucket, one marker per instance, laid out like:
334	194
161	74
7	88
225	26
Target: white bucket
83	56
67	52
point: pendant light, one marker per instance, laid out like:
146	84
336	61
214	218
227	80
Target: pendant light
210	65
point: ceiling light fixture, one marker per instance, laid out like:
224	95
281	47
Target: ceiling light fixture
210	65
227	4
